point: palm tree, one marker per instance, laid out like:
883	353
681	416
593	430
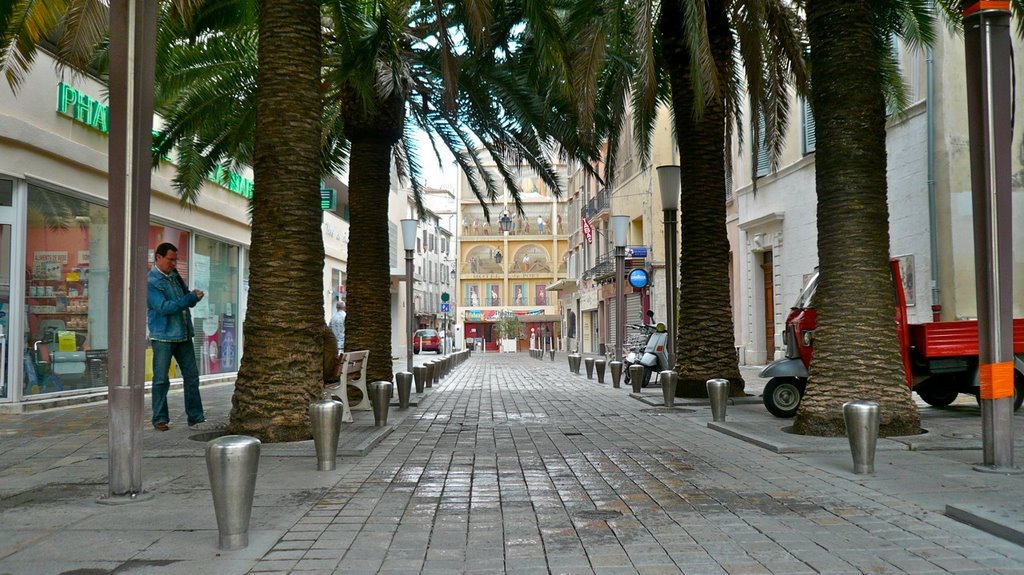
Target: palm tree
276	380
700	61
856	352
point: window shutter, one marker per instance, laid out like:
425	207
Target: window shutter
764	164
808	122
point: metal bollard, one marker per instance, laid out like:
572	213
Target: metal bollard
380	396
403	381
420	375
600	363
552	352
636	377
232	462
669	379
437	370
325	421
588	362
718	393
616	367
862	420
569	358
577	359
429	381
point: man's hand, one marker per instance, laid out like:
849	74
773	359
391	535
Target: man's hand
199	293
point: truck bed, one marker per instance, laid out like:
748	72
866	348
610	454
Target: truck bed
955	338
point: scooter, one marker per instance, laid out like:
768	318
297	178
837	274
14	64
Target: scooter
635	346
655	357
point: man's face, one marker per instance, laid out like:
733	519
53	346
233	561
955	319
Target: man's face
168	262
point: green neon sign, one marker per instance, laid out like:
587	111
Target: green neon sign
92	113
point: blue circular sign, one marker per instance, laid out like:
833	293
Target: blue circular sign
638	278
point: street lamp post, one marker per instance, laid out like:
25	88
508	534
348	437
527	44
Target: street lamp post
620	227
668	182
409	239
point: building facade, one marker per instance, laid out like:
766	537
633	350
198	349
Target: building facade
54	230
507	260
773	232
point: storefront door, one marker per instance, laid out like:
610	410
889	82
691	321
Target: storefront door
7	218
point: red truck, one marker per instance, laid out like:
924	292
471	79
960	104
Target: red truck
940	358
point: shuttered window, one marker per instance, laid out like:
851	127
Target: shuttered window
763	165
807	121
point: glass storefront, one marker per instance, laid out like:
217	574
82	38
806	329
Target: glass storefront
215	271
66	292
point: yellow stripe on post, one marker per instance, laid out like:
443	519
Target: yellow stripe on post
996	380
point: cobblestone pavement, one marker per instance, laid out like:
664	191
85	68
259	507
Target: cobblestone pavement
513	465
519	467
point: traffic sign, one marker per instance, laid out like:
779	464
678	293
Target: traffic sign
446	307
444	296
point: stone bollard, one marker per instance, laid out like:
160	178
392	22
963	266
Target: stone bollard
429	381
669	379
420	375
862	420
325	421
616	367
600	364
718	393
403	381
380	397
636	377
232	462
588	362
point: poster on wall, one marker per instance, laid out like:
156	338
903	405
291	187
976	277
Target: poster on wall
227	343
211	345
201	281
907	276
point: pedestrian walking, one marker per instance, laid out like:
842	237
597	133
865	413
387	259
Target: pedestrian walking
170	331
338	324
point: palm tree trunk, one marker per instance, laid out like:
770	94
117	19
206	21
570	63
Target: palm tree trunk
856	350
281	371
705	343
368	325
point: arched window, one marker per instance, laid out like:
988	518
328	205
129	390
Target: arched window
531	259
483	260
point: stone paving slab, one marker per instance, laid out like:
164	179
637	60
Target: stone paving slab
512	467
1002	521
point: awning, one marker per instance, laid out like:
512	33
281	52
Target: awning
566	285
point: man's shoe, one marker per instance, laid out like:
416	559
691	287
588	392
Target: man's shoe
207	426
161	426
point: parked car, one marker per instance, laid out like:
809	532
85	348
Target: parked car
426	340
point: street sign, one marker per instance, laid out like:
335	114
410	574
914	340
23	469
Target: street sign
445	297
446	307
328	199
638	278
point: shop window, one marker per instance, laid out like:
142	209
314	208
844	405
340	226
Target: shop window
67	272
215	271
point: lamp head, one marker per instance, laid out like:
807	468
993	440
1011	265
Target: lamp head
668	183
620	230
409	233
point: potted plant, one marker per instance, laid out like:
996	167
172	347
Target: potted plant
509	327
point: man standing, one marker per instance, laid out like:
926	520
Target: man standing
170	333
338	325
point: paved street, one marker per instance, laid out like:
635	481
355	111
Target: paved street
515	465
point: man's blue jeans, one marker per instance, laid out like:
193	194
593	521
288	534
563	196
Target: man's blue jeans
185	355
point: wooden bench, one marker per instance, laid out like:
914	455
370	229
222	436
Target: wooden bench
353	374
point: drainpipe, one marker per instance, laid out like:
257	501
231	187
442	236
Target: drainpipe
932	217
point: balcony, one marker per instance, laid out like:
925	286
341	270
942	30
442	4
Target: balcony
598	204
603	268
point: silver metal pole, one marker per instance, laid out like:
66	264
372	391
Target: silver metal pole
410	330
669	380
232	463
132	60
380	397
671	281
403	380
862	420
718	393
987	51
620	307
325	422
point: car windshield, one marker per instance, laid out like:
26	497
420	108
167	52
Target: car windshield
807	295
426	333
